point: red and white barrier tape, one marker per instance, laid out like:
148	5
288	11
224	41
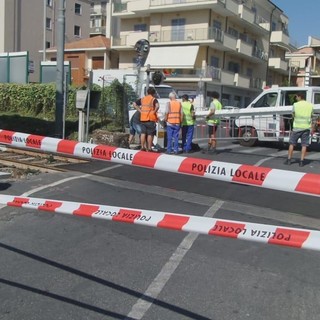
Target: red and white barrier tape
289	181
290	237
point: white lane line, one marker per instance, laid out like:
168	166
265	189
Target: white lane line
313	156
271	156
140	308
28	193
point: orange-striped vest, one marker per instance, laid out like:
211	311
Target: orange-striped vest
174	114
147	109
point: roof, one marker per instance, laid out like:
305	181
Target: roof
96	43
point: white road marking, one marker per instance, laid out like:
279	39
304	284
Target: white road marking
143	304
28	193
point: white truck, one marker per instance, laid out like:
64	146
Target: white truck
268	117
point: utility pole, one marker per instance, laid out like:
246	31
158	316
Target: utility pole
44	29
60	69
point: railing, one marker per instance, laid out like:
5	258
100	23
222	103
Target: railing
199	73
192	34
100	30
259	53
251	124
157	3
256	83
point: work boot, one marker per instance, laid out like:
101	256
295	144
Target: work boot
288	162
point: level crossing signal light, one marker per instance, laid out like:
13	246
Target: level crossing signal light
157	78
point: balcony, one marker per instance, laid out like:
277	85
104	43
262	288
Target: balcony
98	11
229	42
241	81
256	83
194	35
278	64
279	37
227	78
98	30
263	23
129	40
246	14
259	53
232	6
145	7
244	48
194	74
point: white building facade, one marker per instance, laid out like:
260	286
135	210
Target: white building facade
233	47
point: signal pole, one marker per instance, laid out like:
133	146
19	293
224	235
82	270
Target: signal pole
60	69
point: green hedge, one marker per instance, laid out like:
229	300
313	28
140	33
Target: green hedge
37	100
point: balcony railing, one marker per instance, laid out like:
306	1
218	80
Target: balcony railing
199	73
259	53
99	30
187	35
157	3
98	11
256	83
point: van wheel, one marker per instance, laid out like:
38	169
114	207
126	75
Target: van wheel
248	137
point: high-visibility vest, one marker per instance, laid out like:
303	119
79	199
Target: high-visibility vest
147	109
174	114
218	106
187	115
302	115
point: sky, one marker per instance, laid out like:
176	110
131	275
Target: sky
303	19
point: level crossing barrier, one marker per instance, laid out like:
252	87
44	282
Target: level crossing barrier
263	233
282	180
252	124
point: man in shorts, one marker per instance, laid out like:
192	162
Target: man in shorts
302	123
213	123
148	107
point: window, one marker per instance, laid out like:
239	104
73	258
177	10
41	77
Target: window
77	8
267	100
77	31
48	44
48	24
140	27
178	29
233	32
316	98
49	3
233	67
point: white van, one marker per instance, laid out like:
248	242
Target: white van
268	116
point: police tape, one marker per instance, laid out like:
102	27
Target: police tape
283	180
268	234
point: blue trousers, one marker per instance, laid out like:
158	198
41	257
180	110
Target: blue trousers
173	135
187	136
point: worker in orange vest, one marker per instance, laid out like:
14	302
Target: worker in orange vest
148	107
173	117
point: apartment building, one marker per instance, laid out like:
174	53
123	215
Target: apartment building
304	64
32	26
235	47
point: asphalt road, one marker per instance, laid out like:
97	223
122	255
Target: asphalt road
54	266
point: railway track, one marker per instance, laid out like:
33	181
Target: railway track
20	162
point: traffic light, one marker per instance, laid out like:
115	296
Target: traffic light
157	78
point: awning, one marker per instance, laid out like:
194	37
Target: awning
183	57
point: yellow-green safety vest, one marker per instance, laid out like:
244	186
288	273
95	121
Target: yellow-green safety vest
212	120
302	115
187	115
